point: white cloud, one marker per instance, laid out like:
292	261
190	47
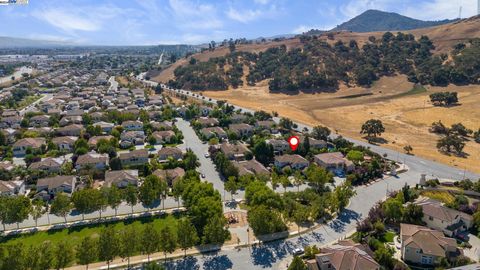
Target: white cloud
244	16
248	15
441	9
262	2
66	20
71	19
194	15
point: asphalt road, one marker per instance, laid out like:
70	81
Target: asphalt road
275	255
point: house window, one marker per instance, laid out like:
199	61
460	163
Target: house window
430	218
427	260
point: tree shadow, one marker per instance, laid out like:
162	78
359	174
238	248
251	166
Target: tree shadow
344	218
263	256
375	140
186	263
217	262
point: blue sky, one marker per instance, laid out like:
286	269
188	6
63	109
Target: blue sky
149	22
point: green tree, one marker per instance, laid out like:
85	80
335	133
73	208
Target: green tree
186	234
263	152
393	209
413	214
61	206
114	197
265	221
451	144
231	186
108	245
47	257
373	127
87	251
168	240
18	209
318	177
16	256
131	196
215	232
38	210
321	133
150	240
150	191
297	264
65	254
129	243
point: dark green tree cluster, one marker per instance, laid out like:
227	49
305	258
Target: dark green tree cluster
444	98
320	66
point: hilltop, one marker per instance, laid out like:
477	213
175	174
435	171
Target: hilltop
376	20
444	37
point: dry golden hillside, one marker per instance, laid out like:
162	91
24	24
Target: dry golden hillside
443	36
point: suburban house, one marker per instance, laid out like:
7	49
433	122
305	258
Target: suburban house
39	121
132	125
234	151
92	142
105	126
241	130
205	111
422	245
163	136
11	188
11	122
70	130
134	158
165	125
269	125
345	255
167	152
68	120
439	217
20	147
295	161
314	143
238	118
210	132
207	122
171	176
334	162
134	137
279	146
122	178
53	185
49	165
92	160
65	143
250	167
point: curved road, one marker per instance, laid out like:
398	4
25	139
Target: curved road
276	255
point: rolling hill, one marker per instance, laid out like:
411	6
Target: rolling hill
376	20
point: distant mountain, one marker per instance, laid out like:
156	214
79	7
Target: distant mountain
376	20
11	42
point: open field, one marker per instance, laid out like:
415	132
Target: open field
406	114
74	235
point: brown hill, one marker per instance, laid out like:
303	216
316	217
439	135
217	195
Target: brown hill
444	37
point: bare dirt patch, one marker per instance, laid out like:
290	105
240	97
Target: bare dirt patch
406	117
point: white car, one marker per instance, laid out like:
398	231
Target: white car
298	251
207	155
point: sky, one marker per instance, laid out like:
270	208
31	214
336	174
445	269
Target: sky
151	22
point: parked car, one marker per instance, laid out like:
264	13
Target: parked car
298	251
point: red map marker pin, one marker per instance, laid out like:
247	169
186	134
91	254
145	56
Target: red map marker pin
293	141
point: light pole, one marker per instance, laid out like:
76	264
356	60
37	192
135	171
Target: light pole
248	237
